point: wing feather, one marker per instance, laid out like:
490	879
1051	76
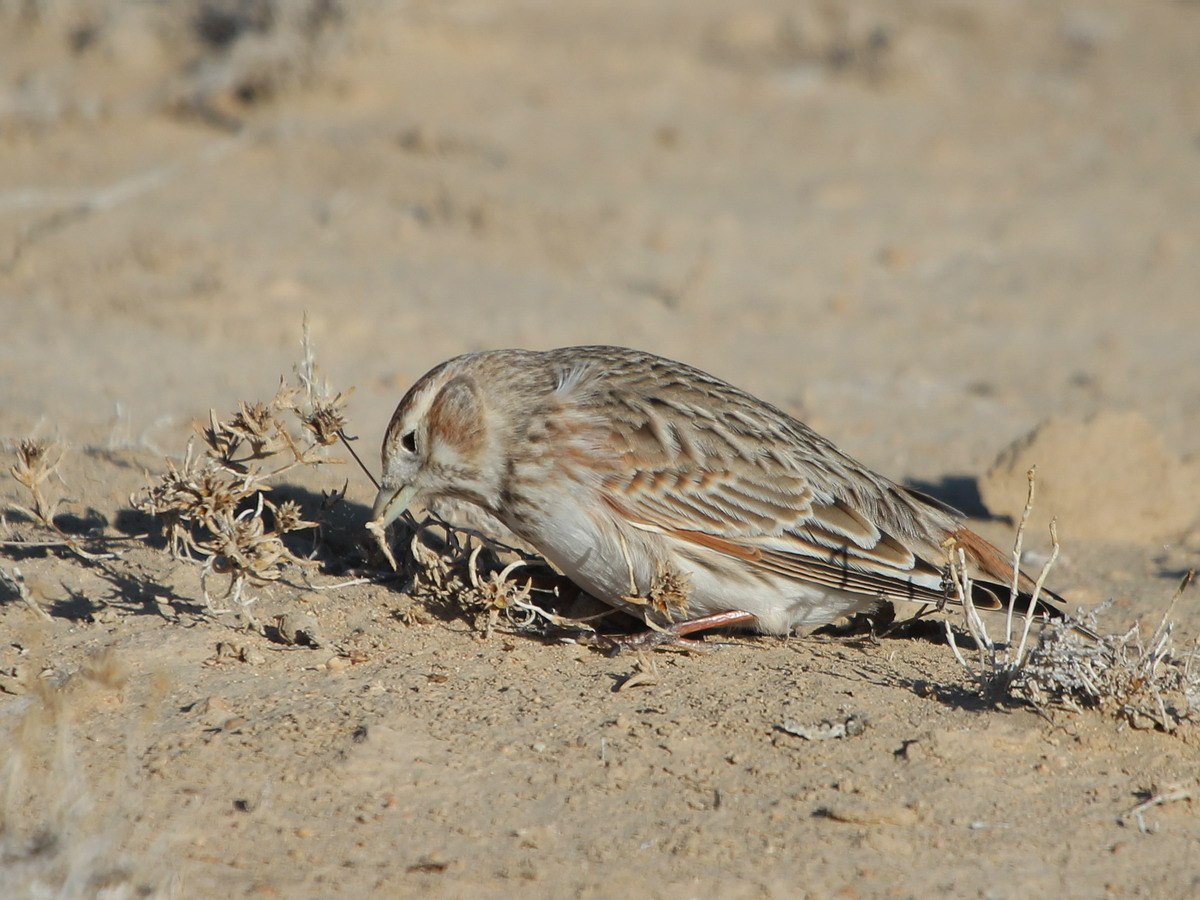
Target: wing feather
709	465
767	509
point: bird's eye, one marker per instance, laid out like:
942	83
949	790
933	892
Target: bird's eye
409	442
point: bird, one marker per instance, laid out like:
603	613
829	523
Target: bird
670	494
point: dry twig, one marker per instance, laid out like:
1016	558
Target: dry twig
14	581
999	663
1158	797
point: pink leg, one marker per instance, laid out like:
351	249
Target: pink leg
675	633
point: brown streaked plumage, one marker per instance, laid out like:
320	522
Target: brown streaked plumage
619	465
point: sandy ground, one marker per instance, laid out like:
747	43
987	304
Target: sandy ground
926	227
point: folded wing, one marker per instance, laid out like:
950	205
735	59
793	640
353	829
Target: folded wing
748	488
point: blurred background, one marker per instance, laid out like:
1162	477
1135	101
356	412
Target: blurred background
925	226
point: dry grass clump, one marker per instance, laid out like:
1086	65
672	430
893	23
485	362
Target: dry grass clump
466	573
999	660
215	507
1071	664
1142	681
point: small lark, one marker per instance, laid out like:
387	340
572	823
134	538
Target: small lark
673	495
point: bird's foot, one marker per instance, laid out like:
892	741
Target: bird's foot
677	632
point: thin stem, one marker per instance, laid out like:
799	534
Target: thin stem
1037	590
1017	544
345	440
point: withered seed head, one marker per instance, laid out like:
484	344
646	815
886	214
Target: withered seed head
36	461
326	420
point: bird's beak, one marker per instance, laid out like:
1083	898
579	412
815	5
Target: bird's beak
390	503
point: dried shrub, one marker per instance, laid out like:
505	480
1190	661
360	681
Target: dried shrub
215	508
36	462
462	572
1142	681
1071	664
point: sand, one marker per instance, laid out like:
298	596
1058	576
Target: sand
930	229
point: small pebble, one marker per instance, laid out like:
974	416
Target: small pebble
299	629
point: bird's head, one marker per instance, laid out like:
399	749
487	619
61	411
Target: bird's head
444	440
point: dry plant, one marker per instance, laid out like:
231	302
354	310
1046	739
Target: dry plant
468	573
37	461
464	572
1071	664
1142	681
667	596
999	660
1157	795
14	581
215	508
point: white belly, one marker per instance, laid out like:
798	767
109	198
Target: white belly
612	562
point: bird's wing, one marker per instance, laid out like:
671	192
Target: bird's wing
749	488
769	491
776	525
